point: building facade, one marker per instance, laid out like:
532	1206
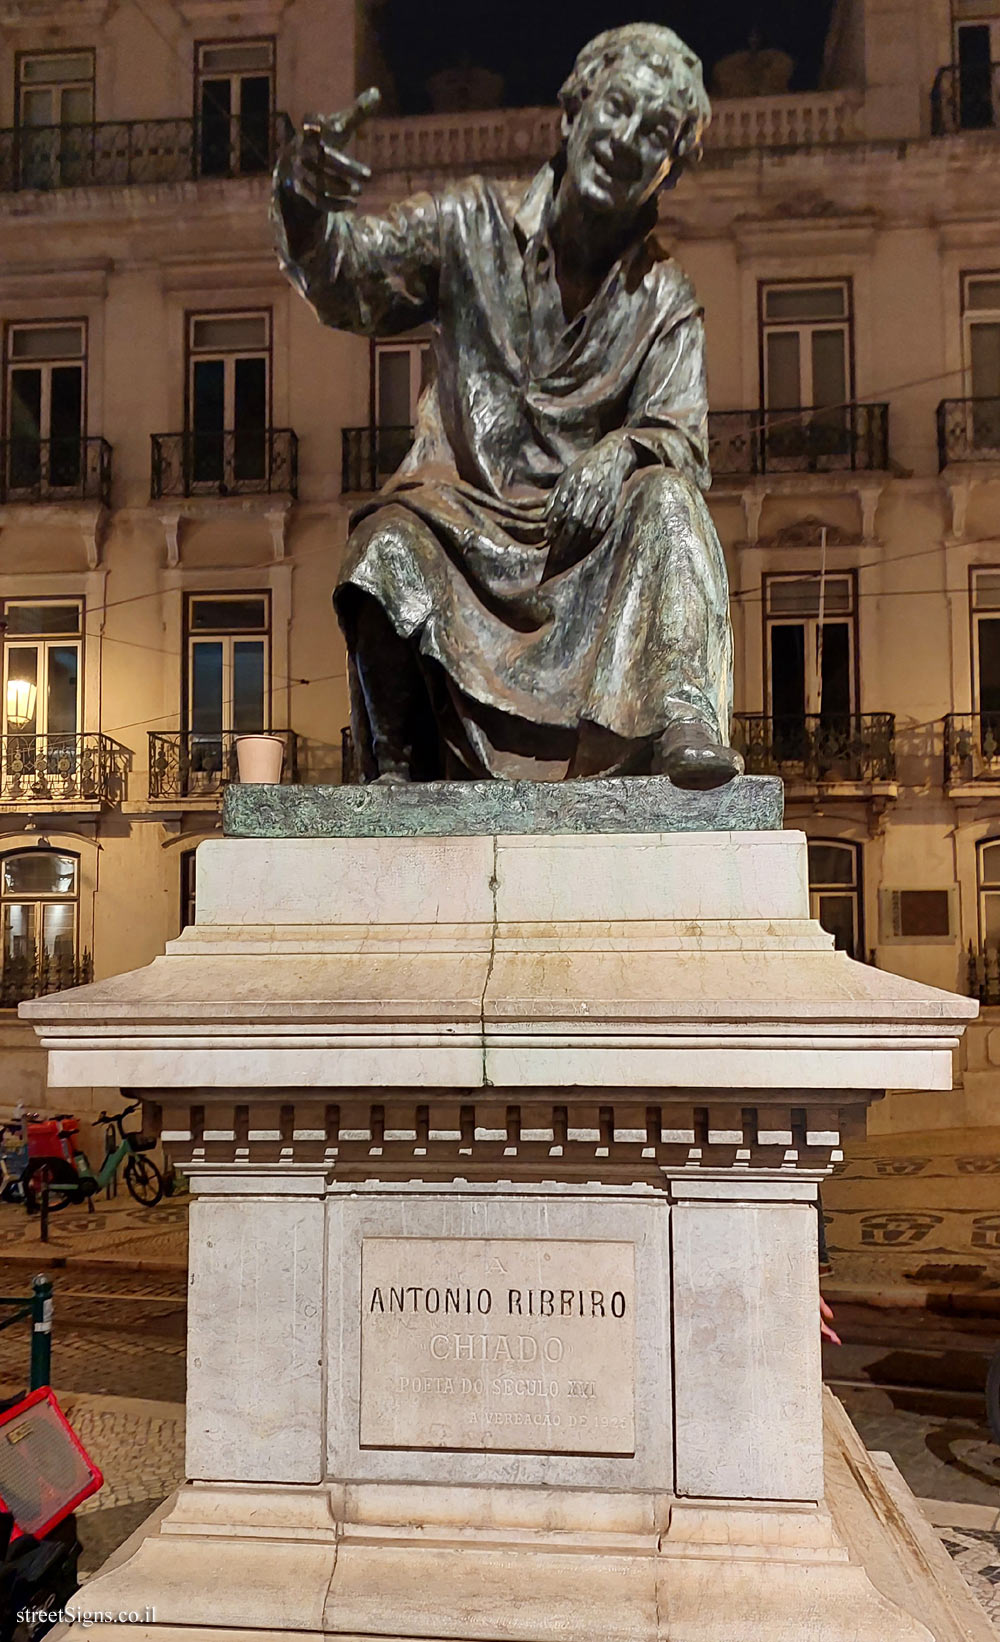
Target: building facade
182	445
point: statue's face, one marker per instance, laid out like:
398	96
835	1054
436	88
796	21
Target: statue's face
620	146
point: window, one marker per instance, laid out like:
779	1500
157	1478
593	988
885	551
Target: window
810	656
989	895
806	344
234	100
54	105
402	371
977	49
835	892
228	398
228	683
189	879
39	903
981	339
41	674
986	656
45	408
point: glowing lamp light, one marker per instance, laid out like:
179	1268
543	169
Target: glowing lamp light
20	703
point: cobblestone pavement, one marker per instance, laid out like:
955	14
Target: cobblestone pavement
977	1552
918	1213
139	1446
117	1232
113	1335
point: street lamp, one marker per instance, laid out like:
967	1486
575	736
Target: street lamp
21	697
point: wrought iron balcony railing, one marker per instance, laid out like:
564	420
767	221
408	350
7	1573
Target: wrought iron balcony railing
248	462
971	747
370	456
983	974
819	749
968	430
55	470
62	769
195	764
29	973
847	438
965	97
118	152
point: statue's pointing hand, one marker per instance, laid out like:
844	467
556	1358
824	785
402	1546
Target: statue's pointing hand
320	171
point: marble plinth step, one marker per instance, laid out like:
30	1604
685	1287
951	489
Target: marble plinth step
626	804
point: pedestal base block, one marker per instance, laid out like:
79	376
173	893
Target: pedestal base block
244	1564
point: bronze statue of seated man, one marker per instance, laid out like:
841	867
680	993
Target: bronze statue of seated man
539	592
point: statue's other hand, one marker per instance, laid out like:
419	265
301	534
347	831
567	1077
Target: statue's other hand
314	161
583	503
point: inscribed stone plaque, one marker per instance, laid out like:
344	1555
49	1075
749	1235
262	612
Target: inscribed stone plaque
494	1343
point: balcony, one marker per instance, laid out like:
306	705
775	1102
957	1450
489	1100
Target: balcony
116	153
966	97
847	439
819	750
55	470
513	139
56	771
185	764
370	456
250	462
968	431
971	748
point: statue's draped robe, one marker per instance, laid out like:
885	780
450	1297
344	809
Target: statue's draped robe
535	659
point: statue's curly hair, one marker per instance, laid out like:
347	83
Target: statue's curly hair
660	49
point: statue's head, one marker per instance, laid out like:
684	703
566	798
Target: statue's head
634	111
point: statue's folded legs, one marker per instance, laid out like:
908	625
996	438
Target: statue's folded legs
640	631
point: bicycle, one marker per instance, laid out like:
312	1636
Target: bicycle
75	1181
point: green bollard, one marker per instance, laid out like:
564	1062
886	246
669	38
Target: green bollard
41	1332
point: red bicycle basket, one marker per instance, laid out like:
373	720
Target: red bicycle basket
44	1139
45	1471
53	1137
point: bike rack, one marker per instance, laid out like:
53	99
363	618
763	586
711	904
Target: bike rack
37	1306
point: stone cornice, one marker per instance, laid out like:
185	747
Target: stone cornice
811	234
260	13
30	282
969	233
136	202
29	14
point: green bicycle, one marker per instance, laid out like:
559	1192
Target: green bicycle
74	1182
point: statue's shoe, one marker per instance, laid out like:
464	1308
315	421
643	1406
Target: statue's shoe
690	758
393	762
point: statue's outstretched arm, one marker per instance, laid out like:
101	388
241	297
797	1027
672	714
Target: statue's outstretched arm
374	275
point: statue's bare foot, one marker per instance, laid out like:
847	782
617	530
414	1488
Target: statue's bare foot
690	758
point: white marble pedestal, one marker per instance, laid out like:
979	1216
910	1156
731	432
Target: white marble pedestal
503	1308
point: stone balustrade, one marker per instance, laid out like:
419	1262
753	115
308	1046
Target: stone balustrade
803	120
502	138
